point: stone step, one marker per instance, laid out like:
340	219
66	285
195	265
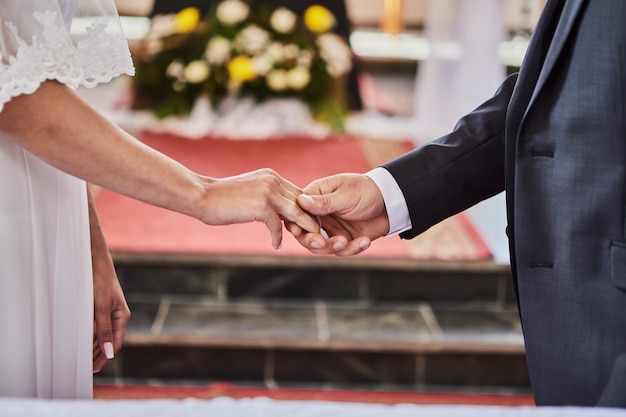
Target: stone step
321	369
364	279
344	322
330	343
402	327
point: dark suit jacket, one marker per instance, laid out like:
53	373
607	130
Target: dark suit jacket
553	137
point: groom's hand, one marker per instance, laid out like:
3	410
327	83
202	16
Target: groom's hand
351	211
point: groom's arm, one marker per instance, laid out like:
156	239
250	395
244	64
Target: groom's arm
456	171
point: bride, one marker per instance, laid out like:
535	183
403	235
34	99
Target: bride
62	311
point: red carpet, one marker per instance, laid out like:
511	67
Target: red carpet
132	226
108	392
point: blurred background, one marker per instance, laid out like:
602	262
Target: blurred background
214	305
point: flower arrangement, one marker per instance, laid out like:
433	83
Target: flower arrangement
244	48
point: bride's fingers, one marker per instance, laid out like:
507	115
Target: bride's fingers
275	226
289	210
293	228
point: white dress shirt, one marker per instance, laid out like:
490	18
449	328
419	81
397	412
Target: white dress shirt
397	210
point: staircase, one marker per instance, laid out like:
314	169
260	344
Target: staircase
320	322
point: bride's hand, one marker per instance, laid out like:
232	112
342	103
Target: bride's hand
111	313
260	195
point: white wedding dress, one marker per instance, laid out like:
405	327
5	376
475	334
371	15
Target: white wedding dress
46	296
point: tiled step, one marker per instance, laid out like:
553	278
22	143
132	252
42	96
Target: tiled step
392	327
339	323
322	369
227	278
322	343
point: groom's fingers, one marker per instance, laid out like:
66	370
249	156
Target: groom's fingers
318	205
335	245
321	197
354	247
318	244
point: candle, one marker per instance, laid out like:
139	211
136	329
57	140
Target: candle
392	21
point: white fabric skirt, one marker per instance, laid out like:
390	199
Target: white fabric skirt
46	295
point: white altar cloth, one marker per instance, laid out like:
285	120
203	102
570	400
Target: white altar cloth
265	407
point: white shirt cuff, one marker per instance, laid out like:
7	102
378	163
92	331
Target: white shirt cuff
397	210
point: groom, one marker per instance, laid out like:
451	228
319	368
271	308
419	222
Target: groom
554	138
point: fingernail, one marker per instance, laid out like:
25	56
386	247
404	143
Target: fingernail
339	246
316	245
323	233
364	244
280	247
108	350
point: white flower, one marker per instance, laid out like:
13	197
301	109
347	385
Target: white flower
277	80
335	53
217	51
283	20
196	72
162	25
274	52
252	40
153	46
305	59
298	78
262	64
291	51
175	69
230	12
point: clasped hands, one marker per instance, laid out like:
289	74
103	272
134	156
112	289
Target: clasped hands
340	214
350	211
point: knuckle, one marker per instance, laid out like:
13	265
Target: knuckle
268	184
266	173
101	309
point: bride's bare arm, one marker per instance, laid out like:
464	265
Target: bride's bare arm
111	313
58	127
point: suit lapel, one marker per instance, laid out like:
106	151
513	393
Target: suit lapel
566	22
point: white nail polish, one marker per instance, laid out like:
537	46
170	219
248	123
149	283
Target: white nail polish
108	350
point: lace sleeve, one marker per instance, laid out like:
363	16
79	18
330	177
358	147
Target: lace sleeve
71	41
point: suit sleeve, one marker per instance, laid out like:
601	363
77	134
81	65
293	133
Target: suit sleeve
458	170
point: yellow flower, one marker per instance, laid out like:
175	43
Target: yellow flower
319	19
241	68
187	19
